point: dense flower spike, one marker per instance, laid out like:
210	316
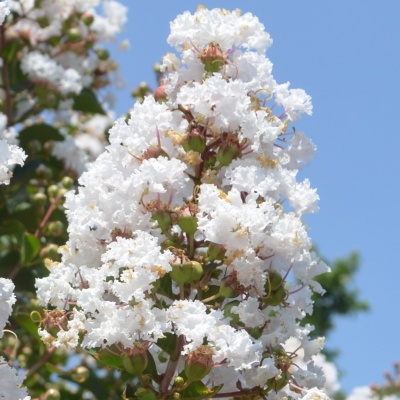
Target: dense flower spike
186	237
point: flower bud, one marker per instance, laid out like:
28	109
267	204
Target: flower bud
74	35
274	281
194	141
135	360
188	224
50	251
163	219
55	228
52	394
186	272
87	19
39	199
215	251
212	58
230	287
160	94
53	190
227	153
179	381
80	374
276	297
199	363
67	182
103	54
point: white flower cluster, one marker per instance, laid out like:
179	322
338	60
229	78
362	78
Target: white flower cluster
62	67
10	381
78	151
10	154
190	225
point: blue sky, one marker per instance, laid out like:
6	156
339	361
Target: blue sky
346	55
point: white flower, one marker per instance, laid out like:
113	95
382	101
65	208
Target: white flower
228	29
109	25
4	11
42	69
294	101
10	155
7	299
10	383
315	394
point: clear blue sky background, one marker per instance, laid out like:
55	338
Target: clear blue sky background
346	55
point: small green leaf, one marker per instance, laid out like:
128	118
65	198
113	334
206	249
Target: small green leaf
86	101
167	343
106	357
30	248
198	390
40	132
26	322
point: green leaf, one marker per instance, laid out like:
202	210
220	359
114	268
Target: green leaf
86	101
10	50
167	343
41	132
106	357
198	390
26	322
30	248
165	287
14	229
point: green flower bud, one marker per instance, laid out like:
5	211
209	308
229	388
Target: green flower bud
39	198
53	190
87	19
103	54
50	251
188	223
179	381
187	272
215	251
276	297
163	219
135	360
230	287
55	228
67	182
227	154
74	35
80	374
195	141
199	363
274	281
52	394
